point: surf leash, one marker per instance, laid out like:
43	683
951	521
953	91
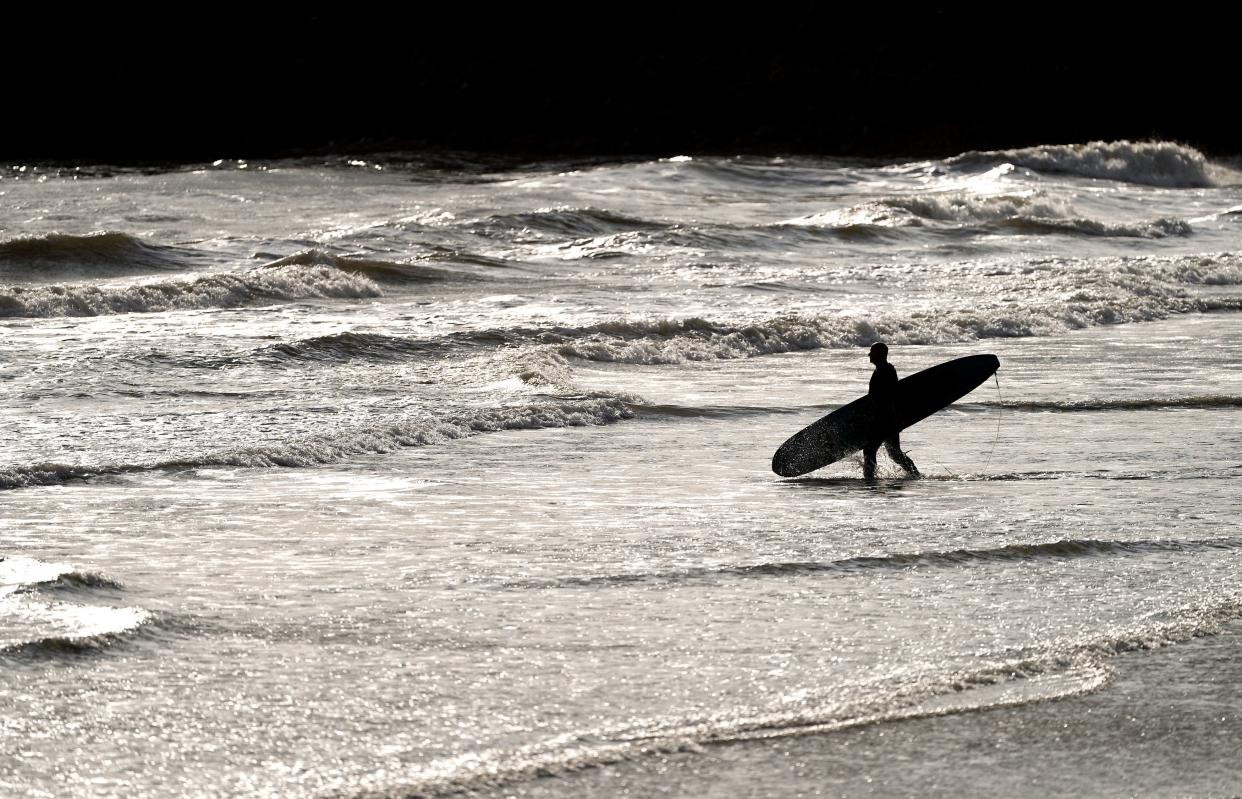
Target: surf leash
946	468
1000	411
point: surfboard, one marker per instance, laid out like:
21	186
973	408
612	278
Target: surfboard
847	429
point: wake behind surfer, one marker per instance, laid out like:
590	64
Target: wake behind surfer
887	425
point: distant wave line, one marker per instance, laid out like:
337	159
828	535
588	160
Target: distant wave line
227	290
1195	402
333	448
1013	553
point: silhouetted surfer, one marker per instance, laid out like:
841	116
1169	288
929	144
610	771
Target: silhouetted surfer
887	429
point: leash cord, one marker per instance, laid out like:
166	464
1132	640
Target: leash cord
1000	411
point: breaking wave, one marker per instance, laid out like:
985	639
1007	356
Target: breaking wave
59	256
1155	229
888	218
22	573
373	269
314	450
34	625
1135	290
339	347
211	291
1130	290
85	629
558	223
1016	213
348	346
1151	163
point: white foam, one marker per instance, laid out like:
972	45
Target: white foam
1042	299
314	450
422	432
28	618
912	210
32	621
211	291
1152	163
19	571
1018	211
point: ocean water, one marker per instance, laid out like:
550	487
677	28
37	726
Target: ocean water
411	475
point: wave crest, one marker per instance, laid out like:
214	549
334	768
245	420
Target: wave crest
1151	163
211	291
1040	300
1017	213
60	255
38	626
19	574
1153	229
60	630
315	450
371	268
559	223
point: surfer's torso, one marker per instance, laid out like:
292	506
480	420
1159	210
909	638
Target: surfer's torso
884	383
883	391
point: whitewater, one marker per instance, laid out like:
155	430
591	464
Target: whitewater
418	474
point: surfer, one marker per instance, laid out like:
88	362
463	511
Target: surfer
883	391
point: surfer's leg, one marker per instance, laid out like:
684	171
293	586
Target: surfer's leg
893	445
869	452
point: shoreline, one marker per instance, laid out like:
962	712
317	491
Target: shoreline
1108	743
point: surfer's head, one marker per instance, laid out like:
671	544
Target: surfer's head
879	352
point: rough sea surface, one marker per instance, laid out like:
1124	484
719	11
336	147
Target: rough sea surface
411	475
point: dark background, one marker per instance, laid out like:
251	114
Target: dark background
188	84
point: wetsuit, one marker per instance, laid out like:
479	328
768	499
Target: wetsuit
883	390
